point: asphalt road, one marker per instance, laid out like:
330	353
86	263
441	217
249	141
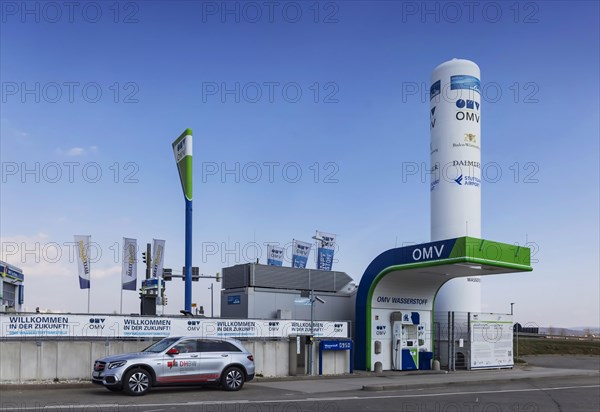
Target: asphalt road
550	394
564	361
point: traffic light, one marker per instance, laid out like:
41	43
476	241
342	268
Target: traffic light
195	274
167	274
310	339
218	276
146	259
164	301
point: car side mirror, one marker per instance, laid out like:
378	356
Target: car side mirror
172	351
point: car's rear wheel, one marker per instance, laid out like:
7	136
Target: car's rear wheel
232	379
137	382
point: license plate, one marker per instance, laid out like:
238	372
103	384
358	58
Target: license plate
96	374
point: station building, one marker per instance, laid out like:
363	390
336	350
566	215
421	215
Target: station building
11	288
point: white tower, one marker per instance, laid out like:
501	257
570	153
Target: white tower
455	124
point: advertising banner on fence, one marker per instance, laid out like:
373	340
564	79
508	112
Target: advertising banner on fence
325	251
129	266
52	325
274	255
491	340
158	249
300	252
83	260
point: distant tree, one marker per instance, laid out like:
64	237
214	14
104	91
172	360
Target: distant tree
587	332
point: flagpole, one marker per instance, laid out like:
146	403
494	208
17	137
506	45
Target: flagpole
89	299
121	306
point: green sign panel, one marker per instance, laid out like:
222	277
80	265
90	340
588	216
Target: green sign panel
182	149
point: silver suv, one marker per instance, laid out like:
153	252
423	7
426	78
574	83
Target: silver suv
177	361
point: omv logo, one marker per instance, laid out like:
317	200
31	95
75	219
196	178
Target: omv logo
97	320
96	323
467	104
468	110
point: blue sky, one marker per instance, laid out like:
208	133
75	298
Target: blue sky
362	69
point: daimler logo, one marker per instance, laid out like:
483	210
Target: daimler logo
468	163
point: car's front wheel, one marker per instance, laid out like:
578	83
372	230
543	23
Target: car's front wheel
232	379
137	382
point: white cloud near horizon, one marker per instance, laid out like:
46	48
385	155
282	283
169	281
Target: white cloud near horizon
77	151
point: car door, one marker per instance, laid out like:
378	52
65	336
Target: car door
183	366
213	357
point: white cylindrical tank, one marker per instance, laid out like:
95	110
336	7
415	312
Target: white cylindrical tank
455	124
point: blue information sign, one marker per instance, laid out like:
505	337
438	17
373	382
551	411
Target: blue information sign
234	300
326	345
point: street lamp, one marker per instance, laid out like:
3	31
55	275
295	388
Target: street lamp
516	328
309	299
211	300
313	298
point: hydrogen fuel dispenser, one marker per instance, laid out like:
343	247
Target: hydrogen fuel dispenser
405	340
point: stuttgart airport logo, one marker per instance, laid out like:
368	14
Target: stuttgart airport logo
432	117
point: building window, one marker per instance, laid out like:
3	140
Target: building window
9	294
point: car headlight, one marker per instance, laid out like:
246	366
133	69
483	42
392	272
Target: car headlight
116	364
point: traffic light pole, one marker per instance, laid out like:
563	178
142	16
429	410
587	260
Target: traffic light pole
211	300
188	255
312	332
148	259
147	300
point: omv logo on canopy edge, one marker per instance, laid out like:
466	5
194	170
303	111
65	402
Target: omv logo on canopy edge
424	252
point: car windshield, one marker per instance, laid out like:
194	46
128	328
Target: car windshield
161	345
